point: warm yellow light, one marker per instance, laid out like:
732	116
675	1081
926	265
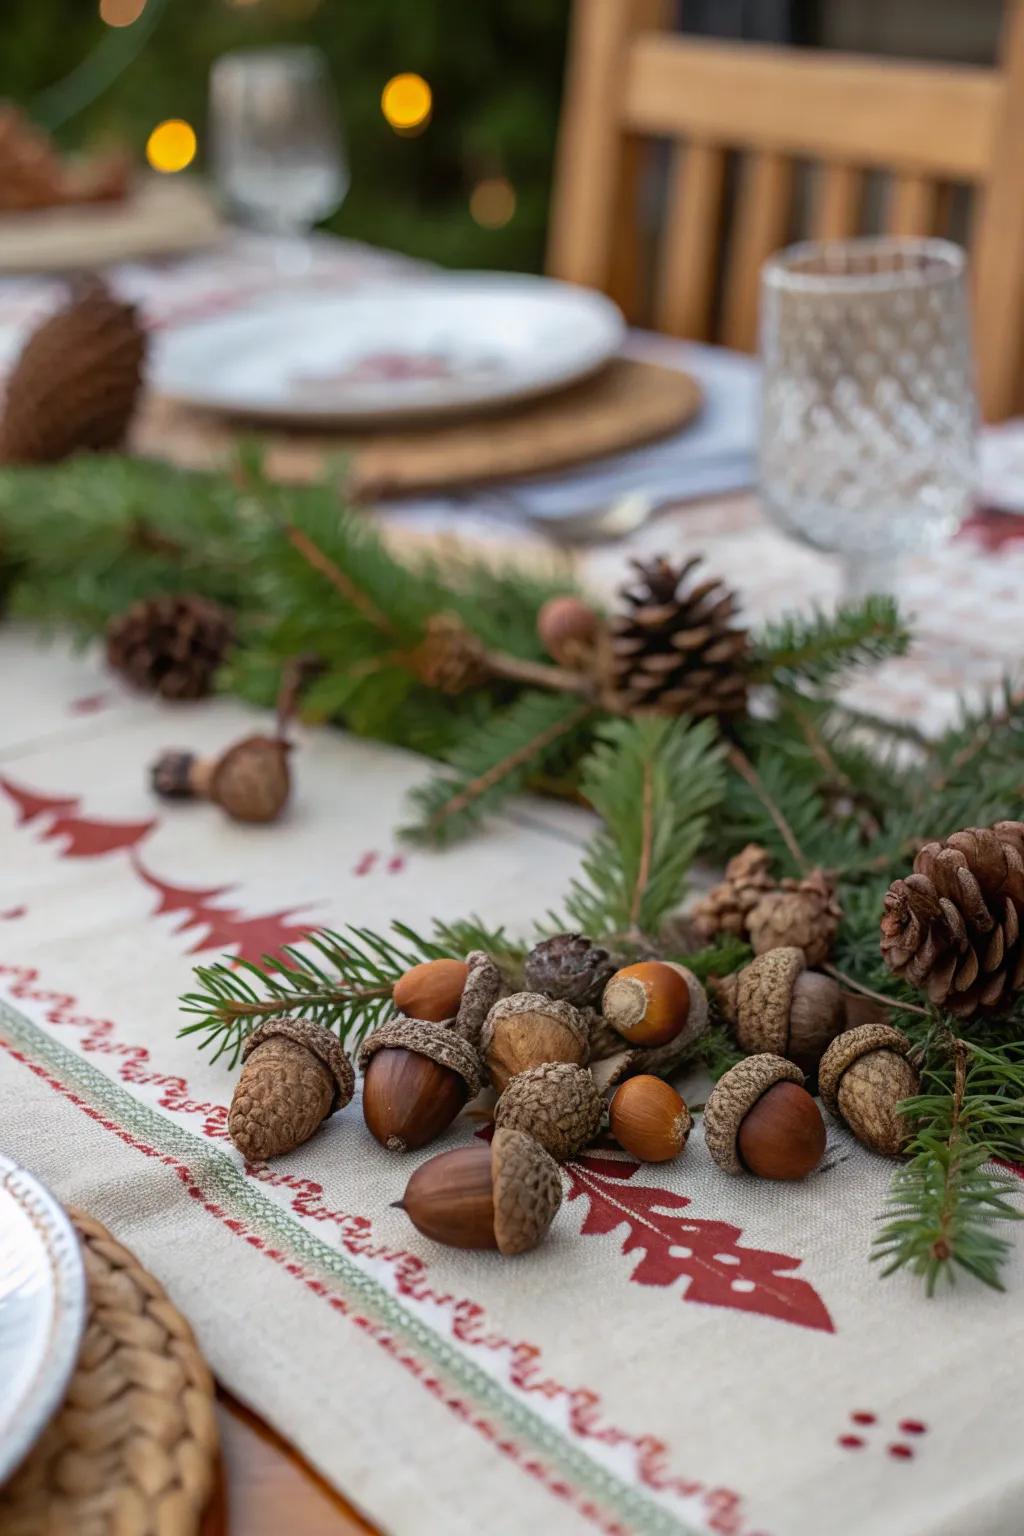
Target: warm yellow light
406	101
121	13
492	202
171	146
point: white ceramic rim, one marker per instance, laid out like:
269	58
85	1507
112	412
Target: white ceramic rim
22	1422
780	271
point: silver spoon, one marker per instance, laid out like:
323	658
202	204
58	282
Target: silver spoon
593	525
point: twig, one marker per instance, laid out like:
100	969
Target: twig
739	760
643	872
538	674
841	781
942	1247
236	1008
877	997
314	556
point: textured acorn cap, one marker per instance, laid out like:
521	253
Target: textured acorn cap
764	993
437	1041
556	1103
848	1048
323	1044
613	1061
527	1190
555	1009
734	1096
484	982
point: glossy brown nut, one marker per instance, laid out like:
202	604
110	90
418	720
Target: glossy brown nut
432	990
648	1003
649	1119
408	1099
783	1135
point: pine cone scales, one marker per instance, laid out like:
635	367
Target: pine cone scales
953	926
674	649
170	645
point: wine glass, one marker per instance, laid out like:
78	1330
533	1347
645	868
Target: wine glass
868	412
277	149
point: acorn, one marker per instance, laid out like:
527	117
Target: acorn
649	1118
567	628
760	1119
418	1075
775	1004
484	985
432	990
863	1075
649	1003
250	781
526	1029
501	1196
294	1075
556	1103
570	966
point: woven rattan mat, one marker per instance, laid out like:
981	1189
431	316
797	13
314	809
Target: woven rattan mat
626	404
133	1451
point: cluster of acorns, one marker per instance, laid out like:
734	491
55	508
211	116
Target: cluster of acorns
586	1042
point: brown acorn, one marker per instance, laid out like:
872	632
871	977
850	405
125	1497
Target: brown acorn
760	1119
775	1004
250	781
556	1103
418	1075
432	990
648	1118
527	1029
501	1196
648	1003
567	627
863	1075
294	1075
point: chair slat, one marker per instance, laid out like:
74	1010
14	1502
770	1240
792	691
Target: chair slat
762	224
838	201
998	265
911	206
686	282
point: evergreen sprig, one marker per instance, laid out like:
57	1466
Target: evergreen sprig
817	648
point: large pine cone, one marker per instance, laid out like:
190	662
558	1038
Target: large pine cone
76	382
953	927
170	645
674	649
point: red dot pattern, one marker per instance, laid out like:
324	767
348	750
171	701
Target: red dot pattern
912	1426
851	1442
861	1417
896	1449
901	1452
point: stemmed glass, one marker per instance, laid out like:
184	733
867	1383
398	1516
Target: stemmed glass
868	413
277	149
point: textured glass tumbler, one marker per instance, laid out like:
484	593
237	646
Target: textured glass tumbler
868	412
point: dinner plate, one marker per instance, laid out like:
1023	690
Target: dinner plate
42	1310
397	350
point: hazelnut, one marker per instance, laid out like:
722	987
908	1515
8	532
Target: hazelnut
759	1118
649	1003
567	628
612	1058
502	1196
432	990
527	1029
250	781
556	1103
294	1075
863	1076
649	1119
418	1076
776	1005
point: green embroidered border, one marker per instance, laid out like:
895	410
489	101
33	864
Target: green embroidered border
221	1179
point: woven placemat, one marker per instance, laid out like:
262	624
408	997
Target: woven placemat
165	215
133	1451
626	404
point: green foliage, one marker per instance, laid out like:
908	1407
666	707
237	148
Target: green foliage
818	648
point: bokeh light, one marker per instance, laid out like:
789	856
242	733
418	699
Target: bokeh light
406	102
492	202
121	13
171	146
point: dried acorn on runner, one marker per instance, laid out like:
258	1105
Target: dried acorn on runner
250	782
501	1196
556	1103
418	1075
760	1119
294	1075
863	1076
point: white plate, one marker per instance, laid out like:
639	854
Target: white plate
391	351
42	1310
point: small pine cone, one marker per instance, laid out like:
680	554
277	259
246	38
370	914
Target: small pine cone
170	645
803	914
31	174
556	1103
953	927
76	381
569	966
294	1075
449	658
726	906
674	650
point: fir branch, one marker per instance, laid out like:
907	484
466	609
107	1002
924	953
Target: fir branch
815	650
739	760
315	557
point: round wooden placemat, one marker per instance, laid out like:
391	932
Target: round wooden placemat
626	404
133	1450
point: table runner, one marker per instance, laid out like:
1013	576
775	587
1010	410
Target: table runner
687	1353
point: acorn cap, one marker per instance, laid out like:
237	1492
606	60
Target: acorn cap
437	1041
732	1098
848	1048
556	1103
764	994
611	1063
323	1044
535	1002
484	982
527	1190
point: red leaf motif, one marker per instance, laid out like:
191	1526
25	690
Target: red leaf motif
707	1254
83	837
222	927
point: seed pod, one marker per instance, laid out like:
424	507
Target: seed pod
432	990
863	1075
567	628
526	1029
294	1075
778	1006
648	1118
760	1119
555	1103
418	1076
502	1196
570	966
250	781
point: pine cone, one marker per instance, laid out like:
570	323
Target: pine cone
450	657
76	382
31	174
674	650
953	926
726	906
170	645
801	913
569	966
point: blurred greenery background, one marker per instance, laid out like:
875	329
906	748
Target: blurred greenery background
494	67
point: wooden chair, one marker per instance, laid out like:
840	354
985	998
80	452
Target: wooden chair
926	128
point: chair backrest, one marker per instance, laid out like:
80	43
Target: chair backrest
761	114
